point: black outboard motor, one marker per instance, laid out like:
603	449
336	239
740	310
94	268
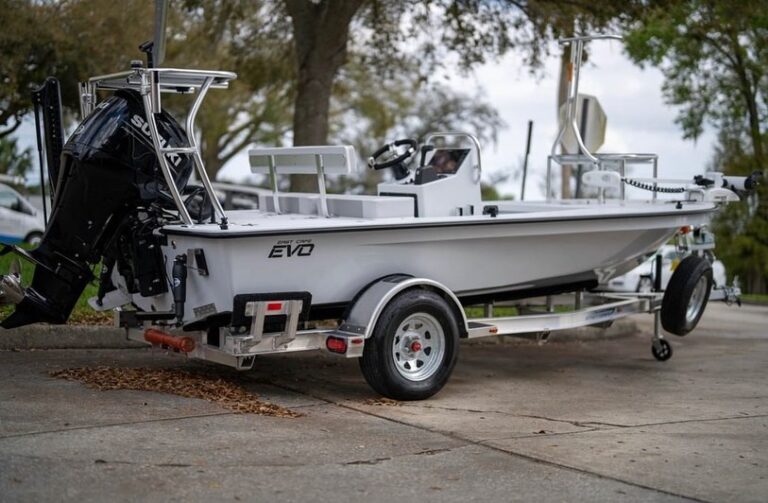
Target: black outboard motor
109	174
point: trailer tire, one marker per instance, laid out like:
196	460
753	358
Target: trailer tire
686	295
413	348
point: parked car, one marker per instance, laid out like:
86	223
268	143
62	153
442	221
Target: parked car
19	219
640	279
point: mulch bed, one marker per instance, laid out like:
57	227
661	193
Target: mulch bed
186	383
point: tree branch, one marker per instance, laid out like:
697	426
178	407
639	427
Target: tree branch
10	130
230	136
247	139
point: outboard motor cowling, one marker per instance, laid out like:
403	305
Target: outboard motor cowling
109	171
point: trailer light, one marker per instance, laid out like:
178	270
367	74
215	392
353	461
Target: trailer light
356	341
685	229
274	306
336	345
493	330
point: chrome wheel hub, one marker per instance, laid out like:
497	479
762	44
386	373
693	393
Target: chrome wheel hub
418	347
696	303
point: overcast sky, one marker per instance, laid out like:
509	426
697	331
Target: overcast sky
638	120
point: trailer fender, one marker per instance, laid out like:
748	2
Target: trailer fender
370	302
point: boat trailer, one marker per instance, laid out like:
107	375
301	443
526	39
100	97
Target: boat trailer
275	325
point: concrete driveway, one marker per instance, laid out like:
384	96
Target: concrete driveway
589	421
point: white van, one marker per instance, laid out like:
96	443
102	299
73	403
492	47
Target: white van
19	219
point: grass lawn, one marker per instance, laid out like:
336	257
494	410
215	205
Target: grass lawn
755	298
82	314
478	312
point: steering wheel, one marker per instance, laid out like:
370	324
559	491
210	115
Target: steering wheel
398	158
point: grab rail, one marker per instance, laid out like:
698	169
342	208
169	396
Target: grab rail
460	134
622	160
584	156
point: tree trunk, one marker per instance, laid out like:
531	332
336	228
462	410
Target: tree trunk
756	280
748	92
320	34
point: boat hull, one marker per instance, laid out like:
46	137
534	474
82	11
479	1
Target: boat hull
483	261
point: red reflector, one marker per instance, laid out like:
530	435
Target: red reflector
336	345
274	306
356	341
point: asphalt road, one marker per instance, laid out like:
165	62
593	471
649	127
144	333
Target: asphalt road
588	421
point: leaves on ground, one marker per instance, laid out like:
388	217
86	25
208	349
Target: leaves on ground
382	401
186	383
87	316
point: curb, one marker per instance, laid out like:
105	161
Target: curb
42	336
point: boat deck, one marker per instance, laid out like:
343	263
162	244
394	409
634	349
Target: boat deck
250	222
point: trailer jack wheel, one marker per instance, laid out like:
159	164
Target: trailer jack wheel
414	347
686	295
661	349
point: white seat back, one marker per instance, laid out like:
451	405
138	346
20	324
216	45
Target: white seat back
336	160
318	161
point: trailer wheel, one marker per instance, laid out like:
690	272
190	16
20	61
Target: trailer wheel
414	347
686	295
662	350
